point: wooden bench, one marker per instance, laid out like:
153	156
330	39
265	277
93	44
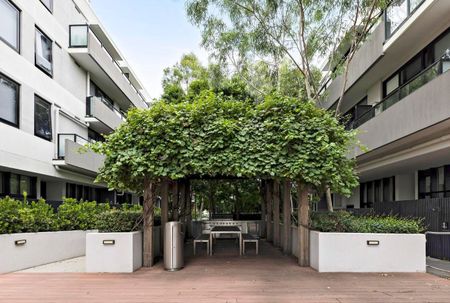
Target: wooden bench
247	238
203	238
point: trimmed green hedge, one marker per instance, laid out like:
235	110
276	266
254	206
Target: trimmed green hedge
37	216
119	220
342	221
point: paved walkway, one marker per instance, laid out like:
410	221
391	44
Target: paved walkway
225	277
438	267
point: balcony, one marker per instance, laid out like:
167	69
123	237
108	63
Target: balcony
100	58
102	116
71	157
421	103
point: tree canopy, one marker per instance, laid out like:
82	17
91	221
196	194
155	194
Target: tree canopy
281	137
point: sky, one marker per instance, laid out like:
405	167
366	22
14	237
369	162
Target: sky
151	34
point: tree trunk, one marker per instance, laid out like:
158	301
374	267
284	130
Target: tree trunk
286	216
188	198
149	198
175	202
303	225
164	208
262	191
276	213
329	199
269	226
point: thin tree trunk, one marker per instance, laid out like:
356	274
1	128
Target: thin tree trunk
149	199
188	198
286	216
276	213
303	225
329	199
164	208
263	199
175	201
269	226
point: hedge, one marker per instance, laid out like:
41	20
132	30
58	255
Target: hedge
342	221
37	216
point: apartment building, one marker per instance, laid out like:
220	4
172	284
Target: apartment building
398	99
63	82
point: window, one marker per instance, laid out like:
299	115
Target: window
18	184
42	118
43	55
9	101
391	84
398	12
48	4
97	92
434	182
9	24
78	36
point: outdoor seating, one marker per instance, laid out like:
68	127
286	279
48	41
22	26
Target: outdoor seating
203	238
247	238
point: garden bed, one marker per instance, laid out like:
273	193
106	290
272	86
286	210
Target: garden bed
24	250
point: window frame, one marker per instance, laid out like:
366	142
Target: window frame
39	98
19	22
50	74
16	125
70	35
50	9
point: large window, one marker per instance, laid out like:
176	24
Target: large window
78	36
434	182
43	55
381	190
9	24
9	101
48	4
14	185
42	118
398	12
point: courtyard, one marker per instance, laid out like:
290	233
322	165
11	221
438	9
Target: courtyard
226	277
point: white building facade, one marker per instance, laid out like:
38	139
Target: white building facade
398	98
63	82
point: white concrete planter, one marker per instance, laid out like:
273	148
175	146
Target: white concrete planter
114	252
25	250
357	252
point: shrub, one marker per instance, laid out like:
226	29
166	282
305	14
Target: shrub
37	216
342	221
79	215
119	221
9	215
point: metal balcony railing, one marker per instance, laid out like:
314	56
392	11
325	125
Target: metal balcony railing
72	137
431	72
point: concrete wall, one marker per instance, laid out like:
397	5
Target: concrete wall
40	248
350	252
88	161
409	115
124	255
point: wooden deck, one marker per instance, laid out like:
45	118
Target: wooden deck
225	277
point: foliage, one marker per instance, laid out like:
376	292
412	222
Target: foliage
37	216
9	215
279	138
342	221
303	32
119	220
79	215
23	216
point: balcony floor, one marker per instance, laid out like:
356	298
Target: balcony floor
225	277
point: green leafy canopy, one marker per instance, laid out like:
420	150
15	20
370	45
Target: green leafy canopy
213	136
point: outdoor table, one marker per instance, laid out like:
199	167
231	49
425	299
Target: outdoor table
217	230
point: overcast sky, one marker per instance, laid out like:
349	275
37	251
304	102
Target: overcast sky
152	35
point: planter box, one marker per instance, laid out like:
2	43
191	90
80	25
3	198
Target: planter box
25	250
357	252
114	252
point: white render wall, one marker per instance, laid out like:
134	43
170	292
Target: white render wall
40	248
20	150
349	252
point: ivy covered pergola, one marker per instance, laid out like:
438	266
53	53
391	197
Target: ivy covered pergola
279	141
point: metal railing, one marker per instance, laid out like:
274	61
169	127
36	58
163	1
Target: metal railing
430	73
62	143
90	103
397	13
